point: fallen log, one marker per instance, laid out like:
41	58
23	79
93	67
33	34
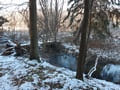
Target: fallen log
17	49
8	51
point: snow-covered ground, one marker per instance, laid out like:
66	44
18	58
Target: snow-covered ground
112	53
19	73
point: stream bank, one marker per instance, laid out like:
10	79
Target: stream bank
59	55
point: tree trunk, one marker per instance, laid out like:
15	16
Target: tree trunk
34	50
83	42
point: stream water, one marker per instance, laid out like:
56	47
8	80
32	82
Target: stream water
64	60
110	72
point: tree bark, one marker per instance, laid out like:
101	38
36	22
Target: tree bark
83	42
34	50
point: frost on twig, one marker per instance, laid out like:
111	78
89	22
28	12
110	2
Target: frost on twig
93	69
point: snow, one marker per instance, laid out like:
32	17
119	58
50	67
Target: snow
5	83
19	73
11	43
26	86
71	47
111	53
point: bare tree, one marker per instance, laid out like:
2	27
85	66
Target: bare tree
83	44
92	8
34	50
50	21
25	16
93	69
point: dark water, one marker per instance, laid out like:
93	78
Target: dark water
64	60
110	72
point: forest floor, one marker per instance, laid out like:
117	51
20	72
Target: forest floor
19	73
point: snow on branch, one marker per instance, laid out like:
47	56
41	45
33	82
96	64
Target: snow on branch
93	69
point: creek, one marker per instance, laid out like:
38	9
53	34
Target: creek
110	72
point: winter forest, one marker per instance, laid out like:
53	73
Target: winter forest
59	44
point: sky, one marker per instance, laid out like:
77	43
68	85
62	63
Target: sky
13	8
8	8
17	1
12	1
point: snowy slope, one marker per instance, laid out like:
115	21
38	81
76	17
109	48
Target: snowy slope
18	73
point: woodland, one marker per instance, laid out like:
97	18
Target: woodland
60	45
